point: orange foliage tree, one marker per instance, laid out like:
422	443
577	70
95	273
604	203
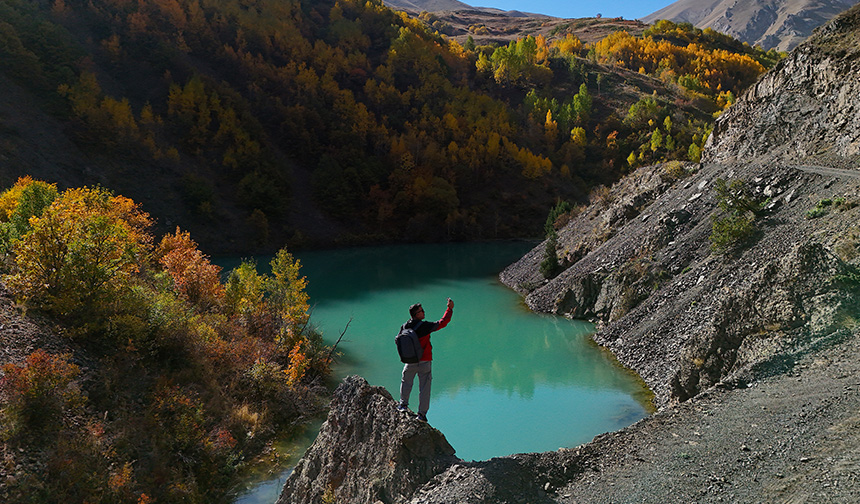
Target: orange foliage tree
194	278
84	248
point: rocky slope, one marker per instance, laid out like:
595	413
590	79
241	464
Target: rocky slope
771	24
641	262
752	353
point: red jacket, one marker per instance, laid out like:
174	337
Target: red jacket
424	328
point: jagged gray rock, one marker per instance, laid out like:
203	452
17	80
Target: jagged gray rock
807	106
367	452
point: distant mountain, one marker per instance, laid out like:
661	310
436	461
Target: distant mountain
427	5
771	24
417	6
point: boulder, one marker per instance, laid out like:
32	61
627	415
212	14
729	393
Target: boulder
367	452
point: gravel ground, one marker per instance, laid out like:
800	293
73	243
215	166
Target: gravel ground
792	437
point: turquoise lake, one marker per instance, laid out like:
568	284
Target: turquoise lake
505	380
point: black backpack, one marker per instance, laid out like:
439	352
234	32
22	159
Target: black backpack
408	345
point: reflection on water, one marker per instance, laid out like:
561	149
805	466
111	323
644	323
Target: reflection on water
264	485
505	380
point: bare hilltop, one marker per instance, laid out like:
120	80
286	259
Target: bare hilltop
771	24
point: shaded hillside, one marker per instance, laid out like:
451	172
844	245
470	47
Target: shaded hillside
315	123
771	24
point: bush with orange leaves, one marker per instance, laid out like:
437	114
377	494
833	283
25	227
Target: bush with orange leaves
38	391
197	376
194	277
81	253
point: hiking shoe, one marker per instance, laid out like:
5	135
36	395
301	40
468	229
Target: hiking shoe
402	408
422	417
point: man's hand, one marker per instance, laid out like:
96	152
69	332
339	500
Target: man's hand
450	304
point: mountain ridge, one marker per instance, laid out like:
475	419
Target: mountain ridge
771	24
418	6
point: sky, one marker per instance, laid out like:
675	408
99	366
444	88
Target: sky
628	9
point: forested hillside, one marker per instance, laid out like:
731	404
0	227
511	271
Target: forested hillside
258	123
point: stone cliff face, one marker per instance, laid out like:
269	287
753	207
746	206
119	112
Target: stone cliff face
367	452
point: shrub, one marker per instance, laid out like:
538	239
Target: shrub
38	392
675	170
731	230
181	415
824	206
740	208
84	248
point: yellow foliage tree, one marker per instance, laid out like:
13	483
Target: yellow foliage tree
85	247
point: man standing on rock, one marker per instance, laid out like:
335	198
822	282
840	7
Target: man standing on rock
422	368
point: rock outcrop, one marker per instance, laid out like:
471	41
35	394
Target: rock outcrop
367	452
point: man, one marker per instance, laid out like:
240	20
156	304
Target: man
422	368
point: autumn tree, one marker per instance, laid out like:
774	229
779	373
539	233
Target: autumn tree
26	199
194	277
82	251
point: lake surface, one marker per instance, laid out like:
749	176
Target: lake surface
505	380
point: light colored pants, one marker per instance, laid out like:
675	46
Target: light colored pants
424	371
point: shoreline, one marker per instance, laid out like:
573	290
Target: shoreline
790	436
